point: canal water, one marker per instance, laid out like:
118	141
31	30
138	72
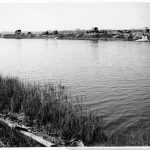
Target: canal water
114	76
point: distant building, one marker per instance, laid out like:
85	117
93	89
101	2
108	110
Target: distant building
29	33
17	32
45	33
147	30
55	32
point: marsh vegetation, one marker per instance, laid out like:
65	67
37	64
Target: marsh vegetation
50	107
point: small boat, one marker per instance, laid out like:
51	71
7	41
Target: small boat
144	39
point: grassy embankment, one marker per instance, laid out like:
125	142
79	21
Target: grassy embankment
53	110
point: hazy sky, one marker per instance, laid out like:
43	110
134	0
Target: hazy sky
47	16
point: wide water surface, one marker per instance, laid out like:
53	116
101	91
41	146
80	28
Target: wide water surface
113	75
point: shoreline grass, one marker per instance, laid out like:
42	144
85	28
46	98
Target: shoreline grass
51	107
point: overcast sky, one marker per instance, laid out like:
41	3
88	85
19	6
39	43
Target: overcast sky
50	16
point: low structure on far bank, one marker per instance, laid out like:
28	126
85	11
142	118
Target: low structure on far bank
94	33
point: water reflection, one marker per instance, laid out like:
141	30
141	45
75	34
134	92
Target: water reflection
19	44
94	47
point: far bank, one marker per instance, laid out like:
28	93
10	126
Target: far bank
93	34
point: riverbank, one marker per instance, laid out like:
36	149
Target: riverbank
49	110
106	35
51	113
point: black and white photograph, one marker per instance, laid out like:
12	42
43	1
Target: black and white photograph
74	74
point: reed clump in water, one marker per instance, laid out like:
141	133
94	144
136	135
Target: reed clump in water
52	108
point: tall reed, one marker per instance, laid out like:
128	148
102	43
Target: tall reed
51	107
